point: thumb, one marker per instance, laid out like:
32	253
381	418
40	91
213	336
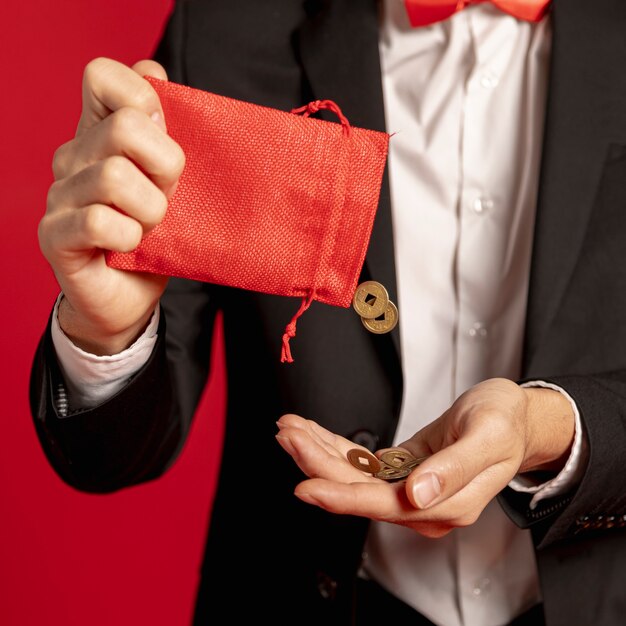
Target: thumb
109	85
450	469
148	67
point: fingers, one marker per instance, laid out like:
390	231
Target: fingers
148	67
120	159
314	455
485	443
109	205
476	448
93	226
119	112
314	460
116	182
127	132
114	179
340	445
109	86
389	502
338	487
384	502
375	500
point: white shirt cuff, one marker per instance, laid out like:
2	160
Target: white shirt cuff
574	468
90	380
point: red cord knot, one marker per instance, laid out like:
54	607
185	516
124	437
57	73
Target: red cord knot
290	329
318	105
313	107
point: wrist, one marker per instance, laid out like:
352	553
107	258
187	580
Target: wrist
551	429
93	338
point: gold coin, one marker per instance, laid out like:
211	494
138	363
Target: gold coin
393	465
370	300
384	325
397	464
397	457
393	473
364	460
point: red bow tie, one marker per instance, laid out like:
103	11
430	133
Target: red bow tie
425	12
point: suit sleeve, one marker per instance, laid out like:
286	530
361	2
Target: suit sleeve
599	501
137	434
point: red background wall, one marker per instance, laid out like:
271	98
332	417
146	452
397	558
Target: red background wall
66	557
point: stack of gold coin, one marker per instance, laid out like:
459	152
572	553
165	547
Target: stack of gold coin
378	313
394	464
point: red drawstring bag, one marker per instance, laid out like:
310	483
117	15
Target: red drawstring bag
268	201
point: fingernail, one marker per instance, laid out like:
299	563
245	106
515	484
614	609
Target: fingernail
286	444
425	489
157	118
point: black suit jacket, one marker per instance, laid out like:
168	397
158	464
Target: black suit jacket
283	53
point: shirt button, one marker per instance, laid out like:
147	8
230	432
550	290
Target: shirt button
481	205
481	587
489	80
365	438
478	331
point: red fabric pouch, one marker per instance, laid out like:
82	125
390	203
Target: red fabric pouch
268	201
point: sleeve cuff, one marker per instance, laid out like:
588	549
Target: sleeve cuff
89	379
574	468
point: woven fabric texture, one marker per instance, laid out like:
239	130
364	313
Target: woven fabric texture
268	201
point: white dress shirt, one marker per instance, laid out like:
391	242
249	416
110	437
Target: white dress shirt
465	100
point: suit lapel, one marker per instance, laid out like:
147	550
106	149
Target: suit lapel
338	45
586	111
